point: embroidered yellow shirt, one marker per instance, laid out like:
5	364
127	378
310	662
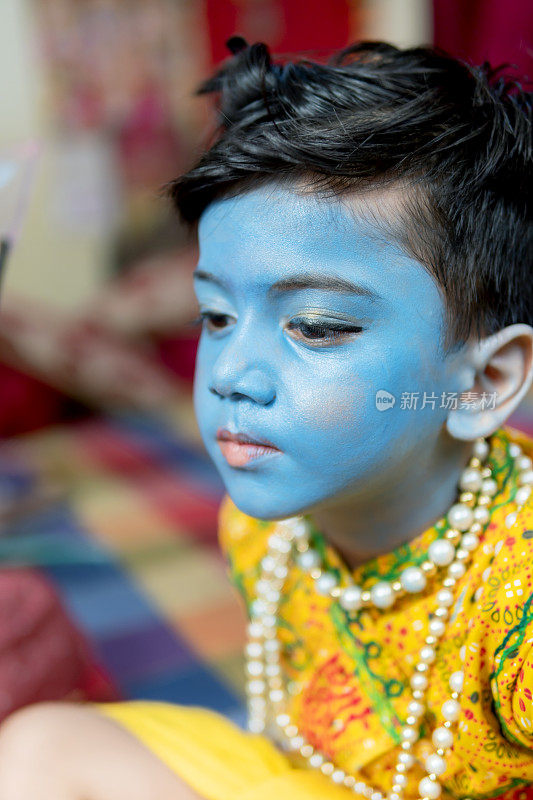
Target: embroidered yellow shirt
351	670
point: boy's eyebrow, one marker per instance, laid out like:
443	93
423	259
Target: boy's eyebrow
332	283
302	281
203	275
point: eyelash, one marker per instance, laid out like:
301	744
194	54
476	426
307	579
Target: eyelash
335	331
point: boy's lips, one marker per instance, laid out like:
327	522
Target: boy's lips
240	448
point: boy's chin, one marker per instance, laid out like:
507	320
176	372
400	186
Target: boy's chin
265	505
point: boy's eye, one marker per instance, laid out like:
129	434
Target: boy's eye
214	320
303	330
320	333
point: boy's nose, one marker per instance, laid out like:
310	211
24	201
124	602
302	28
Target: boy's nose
252	384
244	366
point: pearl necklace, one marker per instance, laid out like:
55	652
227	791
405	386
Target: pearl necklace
265	683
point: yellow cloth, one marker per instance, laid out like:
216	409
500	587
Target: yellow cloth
354	670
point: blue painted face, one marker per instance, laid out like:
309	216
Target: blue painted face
308	314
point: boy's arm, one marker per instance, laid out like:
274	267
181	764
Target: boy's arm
512	679
511	631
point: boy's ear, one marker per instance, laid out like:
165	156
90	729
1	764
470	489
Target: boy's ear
503	365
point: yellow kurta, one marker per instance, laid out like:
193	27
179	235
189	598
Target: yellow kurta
353	670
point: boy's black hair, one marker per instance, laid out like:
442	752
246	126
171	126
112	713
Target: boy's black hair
457	137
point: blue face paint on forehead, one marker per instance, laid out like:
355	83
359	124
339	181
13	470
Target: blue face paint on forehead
311	312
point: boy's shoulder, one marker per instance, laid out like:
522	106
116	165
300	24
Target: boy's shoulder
519	437
502	615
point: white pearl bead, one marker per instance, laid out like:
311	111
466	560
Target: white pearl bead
279	544
254	668
316	760
442	737
441	552
262	586
515	450
257	607
296	742
469	541
255	630
481	515
427	655
480	449
470	480
409	734
457	680
407	759
435	764
460	516
254	649
523	462
522	495
268	563
444	598
257	703
429	788
400	780
451	710
300	528
489	486
419	682
256	687
413	580
326	582
382	594
457	569
415	708
289	522
272	596
309	559
436	627
526	478
338	776
256	726
350	598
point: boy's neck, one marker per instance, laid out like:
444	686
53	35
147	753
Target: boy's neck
400	508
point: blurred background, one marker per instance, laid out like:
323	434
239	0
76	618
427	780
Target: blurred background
111	585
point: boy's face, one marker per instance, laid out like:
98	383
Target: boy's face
301	366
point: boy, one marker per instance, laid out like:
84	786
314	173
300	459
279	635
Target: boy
365	288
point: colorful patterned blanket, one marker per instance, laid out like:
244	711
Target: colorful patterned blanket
120	513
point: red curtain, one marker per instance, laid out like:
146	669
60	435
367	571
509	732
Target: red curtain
286	26
486	30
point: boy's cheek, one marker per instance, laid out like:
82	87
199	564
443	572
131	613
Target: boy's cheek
203	408
329	405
